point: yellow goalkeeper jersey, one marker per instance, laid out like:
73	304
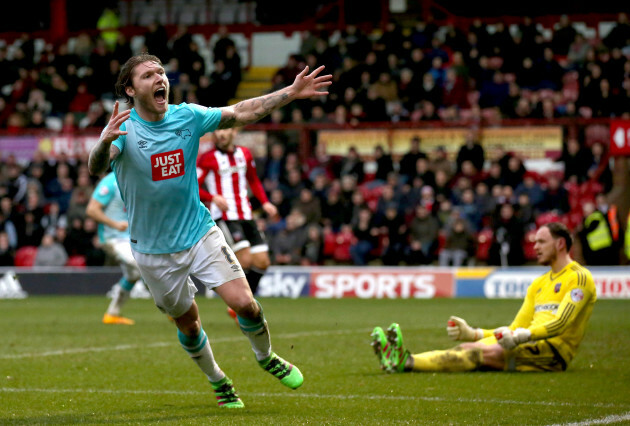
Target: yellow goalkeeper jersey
557	308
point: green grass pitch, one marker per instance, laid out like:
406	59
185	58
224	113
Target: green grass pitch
60	365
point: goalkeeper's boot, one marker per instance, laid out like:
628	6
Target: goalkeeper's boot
381	347
399	354
226	394
117	319
288	374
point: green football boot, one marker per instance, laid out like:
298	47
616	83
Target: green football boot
381	347
399	354
226	395
288	374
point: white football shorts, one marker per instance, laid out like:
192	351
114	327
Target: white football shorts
210	260
120	249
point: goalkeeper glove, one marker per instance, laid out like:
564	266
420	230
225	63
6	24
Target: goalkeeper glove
458	329
509	339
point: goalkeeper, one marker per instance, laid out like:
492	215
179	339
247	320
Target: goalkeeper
544	336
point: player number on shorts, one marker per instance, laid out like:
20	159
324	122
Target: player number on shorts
227	254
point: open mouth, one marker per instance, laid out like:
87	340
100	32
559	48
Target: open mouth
160	95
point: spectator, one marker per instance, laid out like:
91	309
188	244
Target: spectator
563	36
408	162
384	164
599	171
469	210
393	227
423	235
577	161
424	173
598	245
352	165
459	245
286	246
471	150
53	219
313	249
512	175
7	254
156	41
531	188
619	36
16	184
50	252
507	243
525	211
308	206
366	235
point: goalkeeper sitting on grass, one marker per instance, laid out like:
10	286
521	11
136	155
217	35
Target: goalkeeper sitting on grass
544	336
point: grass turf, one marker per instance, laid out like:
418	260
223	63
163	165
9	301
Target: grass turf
60	365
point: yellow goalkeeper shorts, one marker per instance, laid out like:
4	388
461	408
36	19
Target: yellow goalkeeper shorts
531	356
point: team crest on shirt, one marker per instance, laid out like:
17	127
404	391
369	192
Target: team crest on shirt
556	288
577	295
183	133
103	191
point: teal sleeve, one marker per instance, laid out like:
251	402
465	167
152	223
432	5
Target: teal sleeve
207	118
104	191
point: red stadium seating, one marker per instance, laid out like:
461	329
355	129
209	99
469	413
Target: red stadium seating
343	241
77	261
25	256
547	217
528	245
484	241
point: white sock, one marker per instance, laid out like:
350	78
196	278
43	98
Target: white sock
118	300
201	353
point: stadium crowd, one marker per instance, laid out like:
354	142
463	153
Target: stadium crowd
419	209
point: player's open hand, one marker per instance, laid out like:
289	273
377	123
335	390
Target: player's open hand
270	209
122	225
307	86
112	131
220	202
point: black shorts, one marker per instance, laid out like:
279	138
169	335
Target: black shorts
241	234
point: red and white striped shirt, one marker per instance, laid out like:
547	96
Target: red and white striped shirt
227	174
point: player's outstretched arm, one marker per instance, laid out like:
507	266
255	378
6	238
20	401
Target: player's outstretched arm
251	110
458	329
104	152
96	211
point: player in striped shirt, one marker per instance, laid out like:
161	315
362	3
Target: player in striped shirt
544	336
224	174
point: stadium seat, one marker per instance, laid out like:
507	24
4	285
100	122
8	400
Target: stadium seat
330	243
343	241
484	241
528	245
25	256
77	261
546	217
441	241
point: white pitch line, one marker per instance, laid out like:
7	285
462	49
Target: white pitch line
615	418
337	397
71	351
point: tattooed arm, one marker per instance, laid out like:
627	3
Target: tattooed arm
104	152
252	110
